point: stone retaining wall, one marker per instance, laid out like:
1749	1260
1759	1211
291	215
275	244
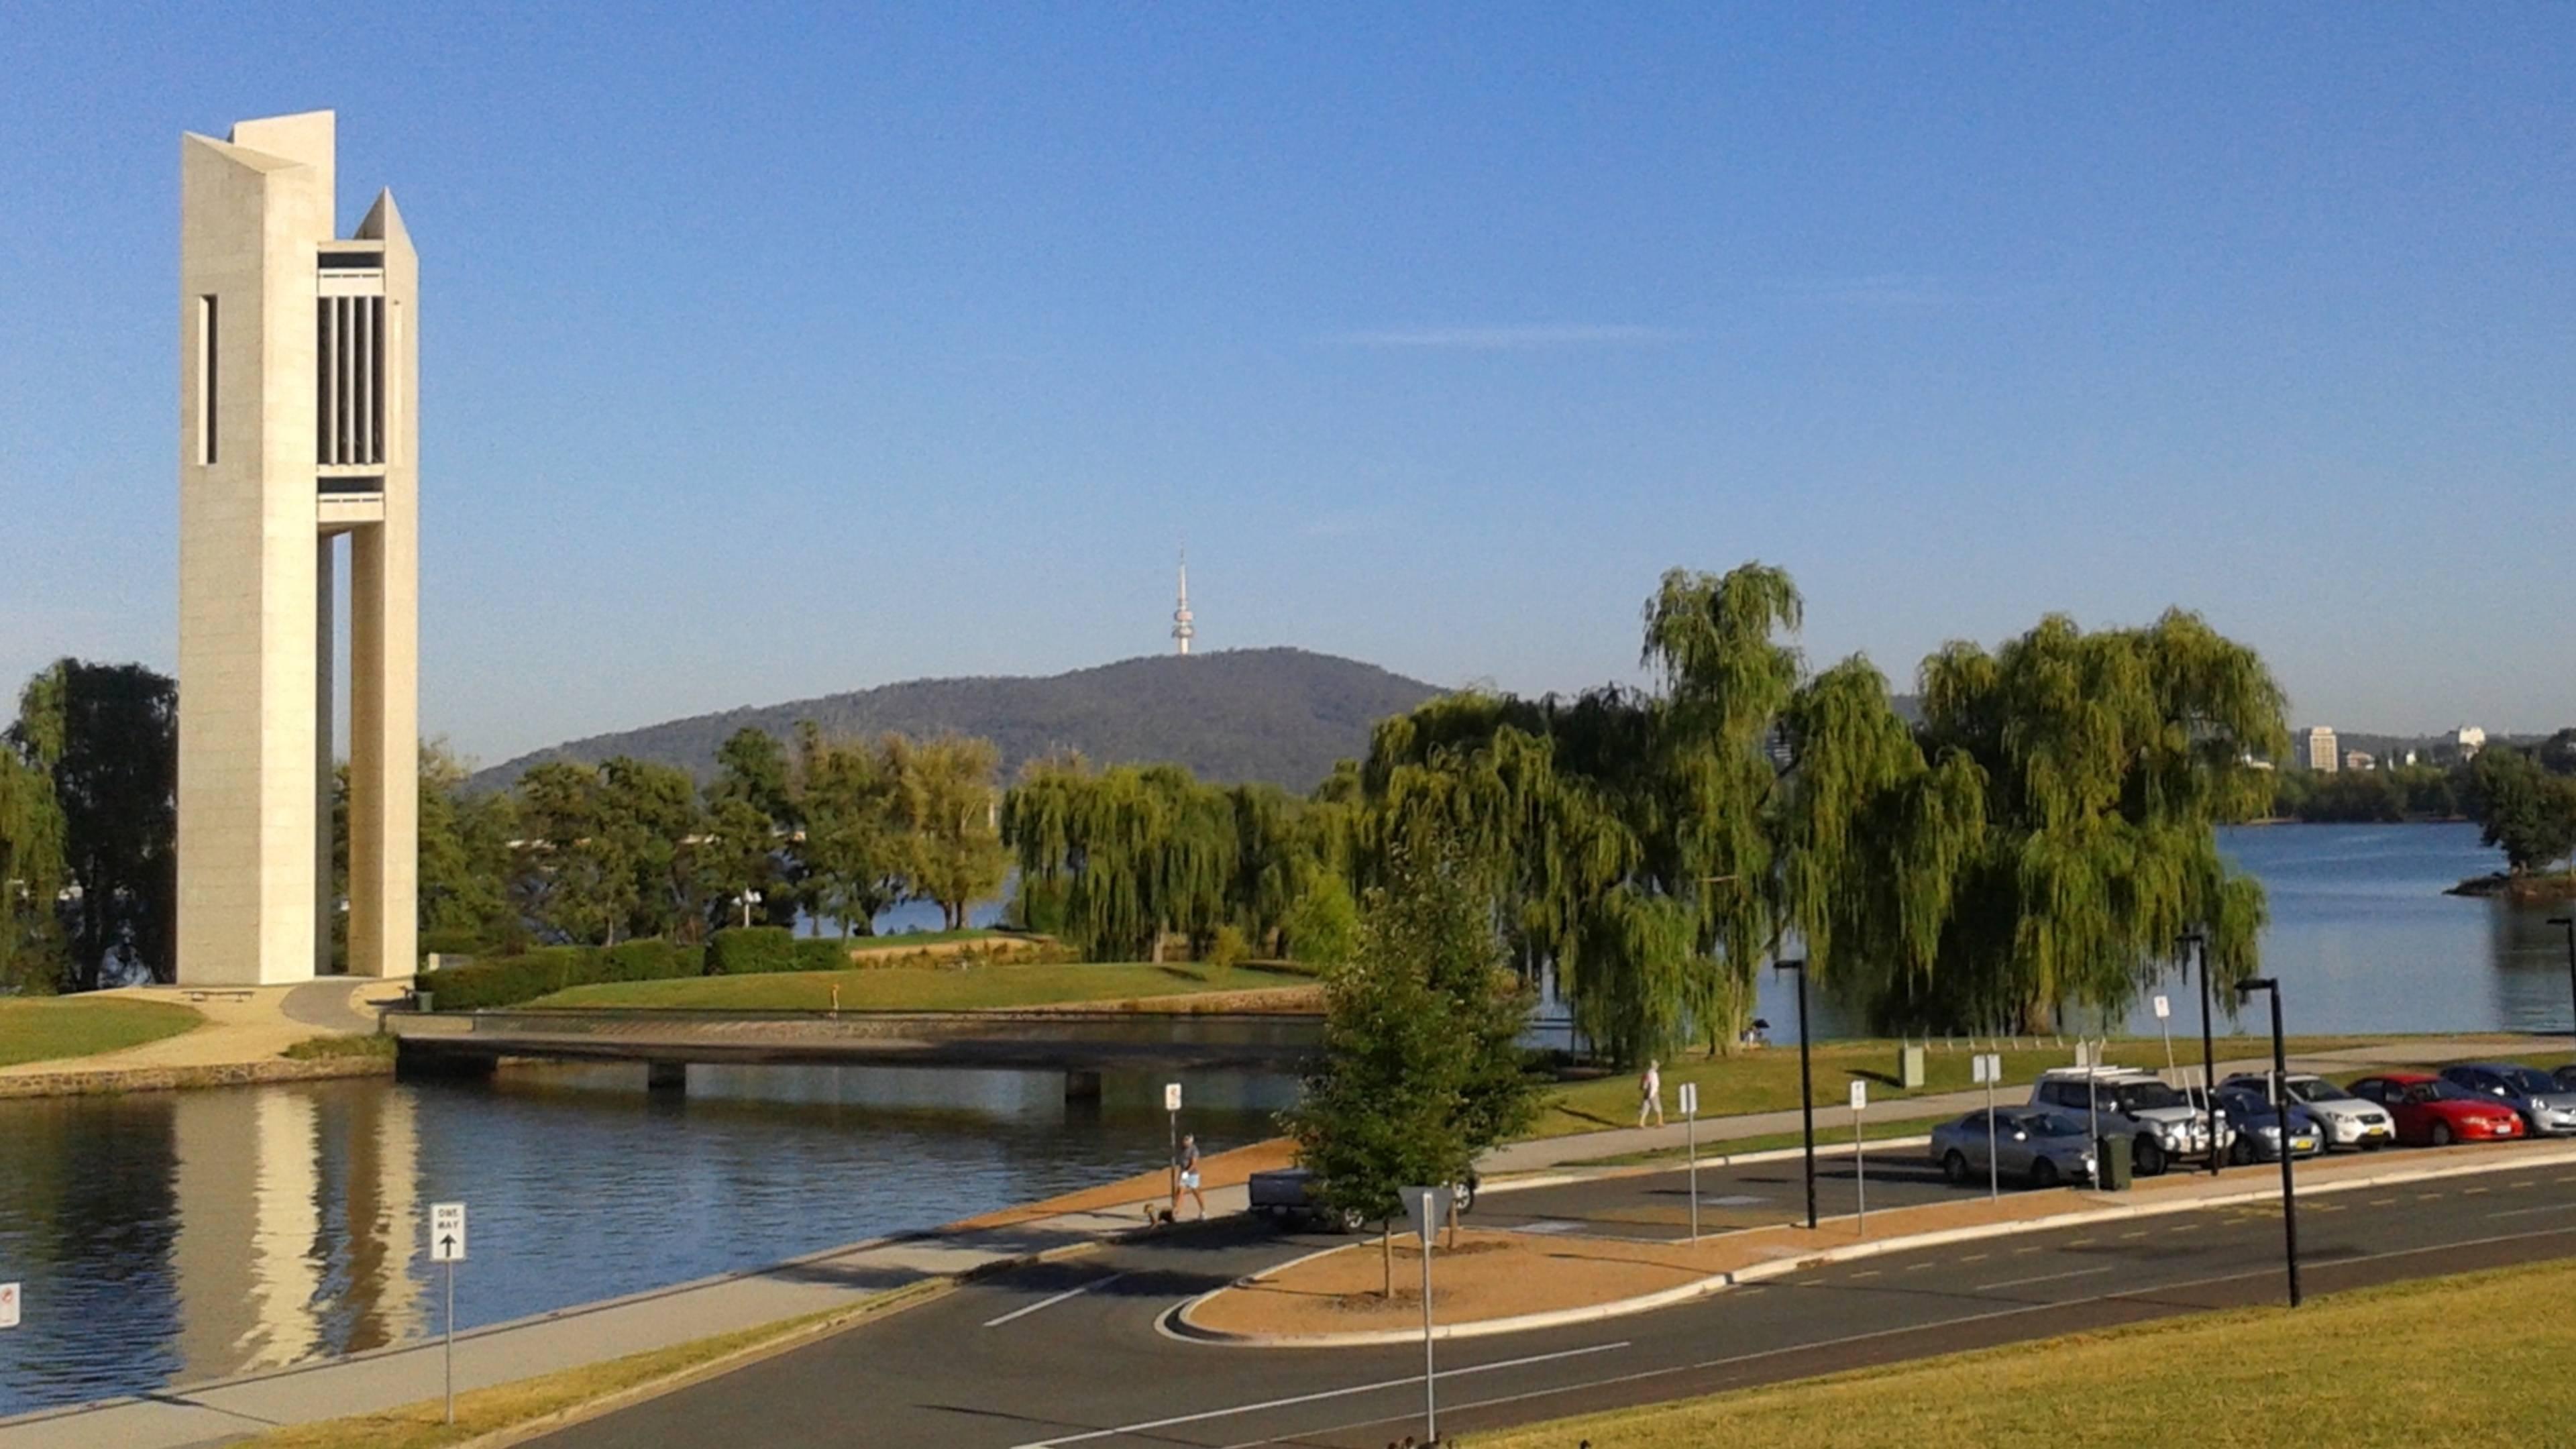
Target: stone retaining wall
80	1083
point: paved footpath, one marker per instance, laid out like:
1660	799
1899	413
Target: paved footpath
500	1353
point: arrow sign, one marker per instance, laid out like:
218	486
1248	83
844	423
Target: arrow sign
447	1232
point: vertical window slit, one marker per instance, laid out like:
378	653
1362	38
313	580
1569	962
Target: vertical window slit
207	381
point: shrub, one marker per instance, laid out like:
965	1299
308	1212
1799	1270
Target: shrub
751	951
459	942
1227	949
509	980
1324	924
820	953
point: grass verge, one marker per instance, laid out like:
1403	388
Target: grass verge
1833	1134
2375	1368
1766	1080
935	988
44	1028
576	1393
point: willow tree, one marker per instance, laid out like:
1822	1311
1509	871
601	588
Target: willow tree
854	860
947	787
1138	852
2107	760
31	873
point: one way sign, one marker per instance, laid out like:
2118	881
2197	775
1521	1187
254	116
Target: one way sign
447	1232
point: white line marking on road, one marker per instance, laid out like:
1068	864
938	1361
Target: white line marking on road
1456	1373
1075	1292
2042	1278
2547	1207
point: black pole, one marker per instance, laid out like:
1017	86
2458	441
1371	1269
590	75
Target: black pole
2281	1111
2208	1054
1806	1086
2569	922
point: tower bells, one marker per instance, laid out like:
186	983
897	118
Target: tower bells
298	428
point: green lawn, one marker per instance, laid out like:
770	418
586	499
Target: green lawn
927	988
1766	1080
2248	1379
41	1029
915	940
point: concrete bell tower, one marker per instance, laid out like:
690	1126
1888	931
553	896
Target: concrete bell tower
298	426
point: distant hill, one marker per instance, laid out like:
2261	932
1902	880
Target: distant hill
1277	715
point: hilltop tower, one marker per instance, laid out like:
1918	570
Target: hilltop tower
298	367
1183	631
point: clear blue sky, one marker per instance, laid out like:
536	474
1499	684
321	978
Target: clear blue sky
769	355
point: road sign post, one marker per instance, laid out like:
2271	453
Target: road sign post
10	1298
1428	1205
1172	1112
1989	1069
1690	1139
1860	1161
447	1246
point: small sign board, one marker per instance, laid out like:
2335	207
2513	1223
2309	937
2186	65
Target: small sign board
1988	1067
1860	1096
1414	1202
447	1232
9	1300
1171	1096
2164	1008
1977	1069
1690	1099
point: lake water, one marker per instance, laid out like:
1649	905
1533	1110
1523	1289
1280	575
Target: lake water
169	1238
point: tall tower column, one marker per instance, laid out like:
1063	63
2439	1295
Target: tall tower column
296	379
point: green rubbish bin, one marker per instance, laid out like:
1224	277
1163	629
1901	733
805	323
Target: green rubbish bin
2113	1155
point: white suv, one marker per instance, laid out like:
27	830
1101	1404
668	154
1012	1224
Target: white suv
2161	1122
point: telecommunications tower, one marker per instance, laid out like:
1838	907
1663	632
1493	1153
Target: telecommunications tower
1182	630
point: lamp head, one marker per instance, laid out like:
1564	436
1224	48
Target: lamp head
1799	966
2562	920
2252	984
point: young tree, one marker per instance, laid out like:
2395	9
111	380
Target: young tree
1419	1070
950	810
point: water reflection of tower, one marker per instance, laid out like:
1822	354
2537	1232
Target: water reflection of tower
297	1216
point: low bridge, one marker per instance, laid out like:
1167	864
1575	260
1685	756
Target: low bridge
1081	1044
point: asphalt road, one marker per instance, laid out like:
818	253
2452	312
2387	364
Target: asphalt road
1069	1353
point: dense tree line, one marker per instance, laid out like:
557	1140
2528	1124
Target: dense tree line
88	828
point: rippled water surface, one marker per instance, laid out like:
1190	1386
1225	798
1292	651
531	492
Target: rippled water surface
170	1238
174	1237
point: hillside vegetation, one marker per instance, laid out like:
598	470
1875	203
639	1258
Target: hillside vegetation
1280	716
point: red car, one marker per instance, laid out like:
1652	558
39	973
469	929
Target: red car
2437	1113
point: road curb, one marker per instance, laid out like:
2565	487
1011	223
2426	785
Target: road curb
1175	1323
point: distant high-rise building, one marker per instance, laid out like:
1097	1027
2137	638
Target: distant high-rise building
1183	631
2317	750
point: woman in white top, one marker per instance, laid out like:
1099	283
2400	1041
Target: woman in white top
1650	1093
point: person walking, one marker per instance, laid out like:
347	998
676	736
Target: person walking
1186	1178
1650	1094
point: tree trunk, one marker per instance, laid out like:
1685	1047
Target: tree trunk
1386	1255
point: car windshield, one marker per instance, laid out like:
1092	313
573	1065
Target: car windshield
2524	1079
2052	1124
2445	1092
2149	1097
2318	1089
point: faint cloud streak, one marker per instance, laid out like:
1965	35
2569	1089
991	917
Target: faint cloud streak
1503	339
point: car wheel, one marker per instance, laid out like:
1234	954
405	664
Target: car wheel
2043	1173
2241	1151
1955	1167
2441	1134
1466	1196
2149	1159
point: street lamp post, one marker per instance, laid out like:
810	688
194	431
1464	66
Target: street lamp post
750	898
2281	1115
2192	941
1806	1084
2568	923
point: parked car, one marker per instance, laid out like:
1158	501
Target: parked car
2161	1123
2437	1113
1294	1195
2346	1120
2548	1109
2258	1130
2565	1076
2042	1148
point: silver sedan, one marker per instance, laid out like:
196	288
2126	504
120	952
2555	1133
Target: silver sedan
2031	1144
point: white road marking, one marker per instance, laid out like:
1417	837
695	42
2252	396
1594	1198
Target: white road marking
2547	1207
1051	1302
2042	1278
1482	1368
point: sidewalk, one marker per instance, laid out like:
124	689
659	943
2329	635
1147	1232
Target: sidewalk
596	1332
1546	1153
1506	1282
